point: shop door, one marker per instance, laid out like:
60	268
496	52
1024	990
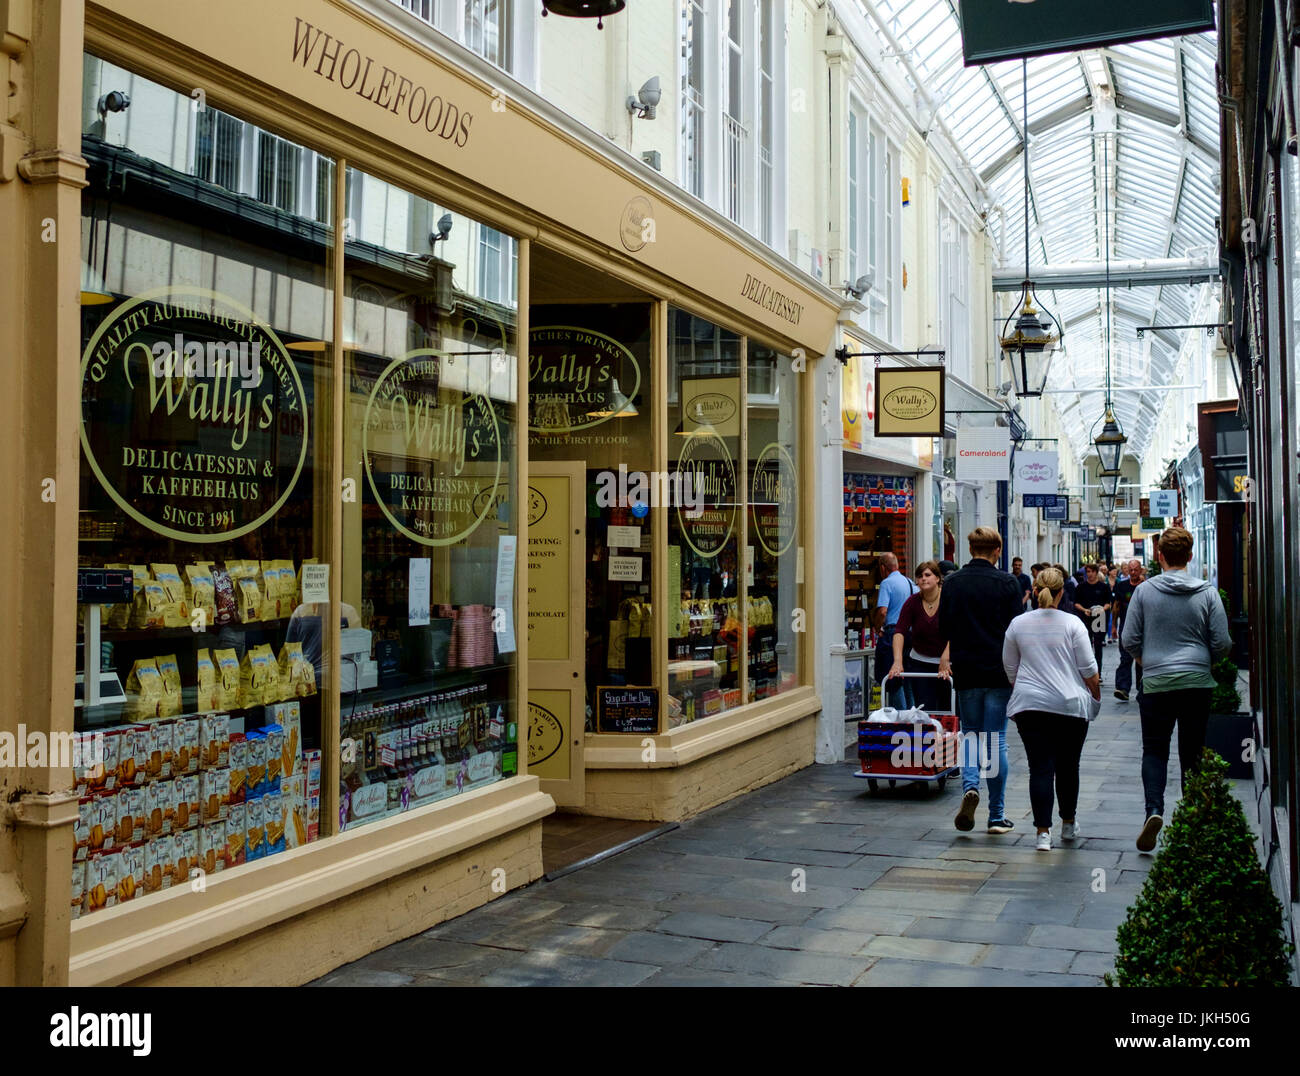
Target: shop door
557	616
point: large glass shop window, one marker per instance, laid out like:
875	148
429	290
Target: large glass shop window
429	557
707	524
777	618
206	371
589	379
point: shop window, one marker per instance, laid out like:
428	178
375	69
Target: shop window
694	56
591	400
498	265
775	613
487	27
428	655
205	509
706	530
954	302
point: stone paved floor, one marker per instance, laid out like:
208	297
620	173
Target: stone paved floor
894	895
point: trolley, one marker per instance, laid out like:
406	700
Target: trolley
900	751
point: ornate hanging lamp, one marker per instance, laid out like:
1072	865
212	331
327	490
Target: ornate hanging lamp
584	9
1031	334
1110	440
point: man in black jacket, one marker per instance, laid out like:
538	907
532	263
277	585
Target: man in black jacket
976	606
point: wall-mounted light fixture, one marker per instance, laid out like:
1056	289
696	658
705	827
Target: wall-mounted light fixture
443	232
647	98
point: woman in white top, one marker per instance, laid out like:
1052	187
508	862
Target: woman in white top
1056	689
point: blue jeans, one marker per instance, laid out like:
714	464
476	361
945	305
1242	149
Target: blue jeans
983	712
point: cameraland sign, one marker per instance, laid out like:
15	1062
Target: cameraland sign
909	401
193	416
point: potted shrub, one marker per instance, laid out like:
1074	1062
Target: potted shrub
1206	915
1229	727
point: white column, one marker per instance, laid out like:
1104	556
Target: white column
828	554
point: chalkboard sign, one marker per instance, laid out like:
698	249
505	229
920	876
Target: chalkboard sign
627	709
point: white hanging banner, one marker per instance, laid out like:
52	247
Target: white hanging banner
984	455
1036	472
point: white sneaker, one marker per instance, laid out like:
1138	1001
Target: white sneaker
1044	842
1069	831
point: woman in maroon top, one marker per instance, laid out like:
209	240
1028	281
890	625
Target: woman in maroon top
918	629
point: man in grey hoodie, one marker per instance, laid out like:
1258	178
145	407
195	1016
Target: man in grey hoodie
1175	629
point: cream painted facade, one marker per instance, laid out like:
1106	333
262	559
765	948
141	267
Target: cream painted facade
555	160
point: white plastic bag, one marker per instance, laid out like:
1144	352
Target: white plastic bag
886	713
918	716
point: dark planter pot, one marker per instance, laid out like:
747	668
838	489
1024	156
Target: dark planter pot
1224	734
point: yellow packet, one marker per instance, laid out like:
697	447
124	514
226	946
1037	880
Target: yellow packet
255	673
208	684
170	671
202	592
296	671
144	689
228	678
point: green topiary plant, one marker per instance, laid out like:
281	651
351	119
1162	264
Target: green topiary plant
1225	698
1206	915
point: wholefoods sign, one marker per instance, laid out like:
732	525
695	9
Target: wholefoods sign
193	417
909	401
433	451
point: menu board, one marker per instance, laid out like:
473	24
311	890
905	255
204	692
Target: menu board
627	709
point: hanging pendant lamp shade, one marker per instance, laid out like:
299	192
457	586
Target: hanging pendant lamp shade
619	406
1110	444
1109	484
583	9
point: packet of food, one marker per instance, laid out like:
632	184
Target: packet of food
160	808
144	689
150	606
274	810
188	802
78	888
274	757
87	819
209	689
288	715
185	745
214	741
159	861
138	801
256	828
161	736
237	835
225	604
227	679
187	856
296	672
294	797
103	871
176	612
132	755
268	576
255	748
131	880
238	767
103	777
214	794
248	598
212	847
254	675
201	594
173	699
103	830
288	587
124	816
313	816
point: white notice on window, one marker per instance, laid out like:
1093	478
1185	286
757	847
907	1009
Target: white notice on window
624	537
503	616
315	583
625	569
418	592
798	568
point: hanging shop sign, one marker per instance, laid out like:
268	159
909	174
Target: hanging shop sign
709	525
994	30
1152	524
1056	513
193	416
711	403
577	379
983	454
432	450
774	499
909	401
1164	503
1036	472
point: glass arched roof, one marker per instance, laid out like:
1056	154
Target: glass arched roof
1151	109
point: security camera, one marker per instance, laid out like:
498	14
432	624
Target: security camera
444	230
114	101
647	98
